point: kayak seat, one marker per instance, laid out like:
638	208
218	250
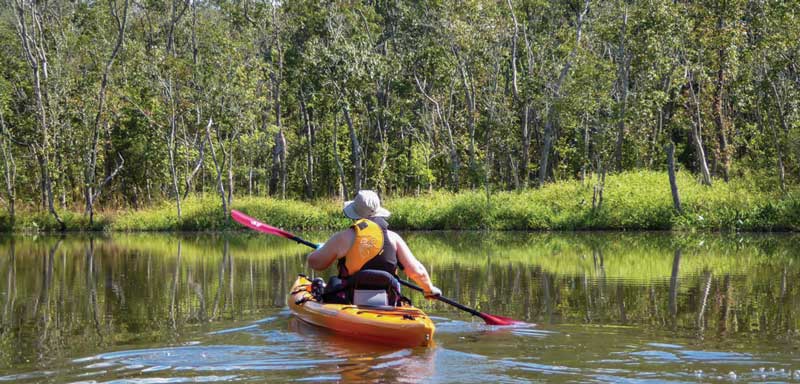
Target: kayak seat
374	288
368	287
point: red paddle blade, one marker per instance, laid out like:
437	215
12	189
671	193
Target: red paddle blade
499	320
252	223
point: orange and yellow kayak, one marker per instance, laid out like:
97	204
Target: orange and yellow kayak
401	326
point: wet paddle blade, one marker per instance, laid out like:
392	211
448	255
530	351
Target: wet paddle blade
499	320
252	223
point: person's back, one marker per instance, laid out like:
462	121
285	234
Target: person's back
368	245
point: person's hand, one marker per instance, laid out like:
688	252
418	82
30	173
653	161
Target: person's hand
432	293
320	245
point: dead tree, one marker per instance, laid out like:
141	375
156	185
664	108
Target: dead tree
92	191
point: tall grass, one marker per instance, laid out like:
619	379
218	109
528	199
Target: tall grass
201	214
631	201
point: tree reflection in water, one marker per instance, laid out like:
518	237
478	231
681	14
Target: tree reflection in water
137	289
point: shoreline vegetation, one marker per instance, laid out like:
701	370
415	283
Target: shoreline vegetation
628	201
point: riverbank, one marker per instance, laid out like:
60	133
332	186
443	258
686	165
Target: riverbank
631	201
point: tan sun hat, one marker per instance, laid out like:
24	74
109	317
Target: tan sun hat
366	204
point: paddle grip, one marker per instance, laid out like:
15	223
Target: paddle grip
303	241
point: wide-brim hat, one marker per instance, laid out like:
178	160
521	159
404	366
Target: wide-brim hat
366	204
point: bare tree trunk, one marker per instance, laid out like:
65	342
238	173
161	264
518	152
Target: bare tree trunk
622	92
355	149
673	184
342	180
599	187
218	168
719	113
277	77
90	193
275	173
525	158
697	138
175	16
10	172
171	149
455	163
309	178
201	146
469	100
514	168
283	154
34	48
549	127
382	91
784	125
524	105
228	154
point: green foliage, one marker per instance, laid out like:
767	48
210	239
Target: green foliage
631	201
440	98
42	221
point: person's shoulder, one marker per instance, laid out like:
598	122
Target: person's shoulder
344	234
394	236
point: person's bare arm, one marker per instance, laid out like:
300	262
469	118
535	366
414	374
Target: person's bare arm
413	268
336	247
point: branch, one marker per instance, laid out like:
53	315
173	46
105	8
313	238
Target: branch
200	158
109	177
141	110
5	132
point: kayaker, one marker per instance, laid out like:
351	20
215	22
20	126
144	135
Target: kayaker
369	244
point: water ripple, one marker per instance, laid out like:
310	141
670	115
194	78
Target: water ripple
209	358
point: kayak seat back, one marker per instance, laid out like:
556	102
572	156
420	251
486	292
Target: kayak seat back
370	297
374	287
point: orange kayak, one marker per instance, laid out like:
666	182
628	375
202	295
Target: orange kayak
401	326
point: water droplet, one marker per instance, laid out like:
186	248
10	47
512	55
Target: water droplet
732	375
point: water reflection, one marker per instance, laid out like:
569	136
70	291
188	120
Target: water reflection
144	296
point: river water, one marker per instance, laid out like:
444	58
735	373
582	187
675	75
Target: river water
603	307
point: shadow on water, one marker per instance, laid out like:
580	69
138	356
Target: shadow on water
609	307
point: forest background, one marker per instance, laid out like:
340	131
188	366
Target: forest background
579	114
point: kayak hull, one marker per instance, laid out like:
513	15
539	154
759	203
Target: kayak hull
400	326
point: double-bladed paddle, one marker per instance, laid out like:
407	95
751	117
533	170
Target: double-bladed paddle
252	223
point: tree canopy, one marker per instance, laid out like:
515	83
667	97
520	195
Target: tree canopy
127	102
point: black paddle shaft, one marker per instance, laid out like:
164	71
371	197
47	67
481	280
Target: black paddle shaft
442	298
303	241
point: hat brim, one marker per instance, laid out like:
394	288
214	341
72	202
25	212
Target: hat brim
350	211
382	212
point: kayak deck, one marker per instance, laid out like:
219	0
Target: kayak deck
400	326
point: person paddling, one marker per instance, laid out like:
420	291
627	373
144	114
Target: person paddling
368	245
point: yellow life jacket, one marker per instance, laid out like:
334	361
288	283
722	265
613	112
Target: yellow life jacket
371	241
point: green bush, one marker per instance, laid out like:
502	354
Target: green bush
631	201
